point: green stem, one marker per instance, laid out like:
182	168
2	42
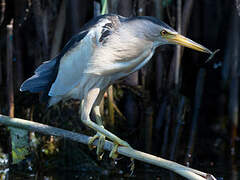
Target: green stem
104	7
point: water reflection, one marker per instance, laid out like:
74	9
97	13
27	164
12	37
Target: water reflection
220	171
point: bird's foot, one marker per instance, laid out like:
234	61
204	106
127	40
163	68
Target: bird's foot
100	145
114	153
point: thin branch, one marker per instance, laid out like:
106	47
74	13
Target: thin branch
58	34
110	101
177	54
183	18
118	111
9	67
184	171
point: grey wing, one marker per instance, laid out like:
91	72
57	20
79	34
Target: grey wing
59	75
46	73
74	63
38	82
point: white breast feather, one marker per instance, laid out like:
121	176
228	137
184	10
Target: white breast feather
122	55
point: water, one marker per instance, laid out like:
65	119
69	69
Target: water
75	161
221	170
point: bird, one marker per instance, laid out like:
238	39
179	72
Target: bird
107	48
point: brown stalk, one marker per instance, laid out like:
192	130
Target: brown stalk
110	106
10	90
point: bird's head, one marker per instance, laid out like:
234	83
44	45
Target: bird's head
161	33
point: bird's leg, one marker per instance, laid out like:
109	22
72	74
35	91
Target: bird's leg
86	107
101	137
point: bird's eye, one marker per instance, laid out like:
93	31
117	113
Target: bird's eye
163	33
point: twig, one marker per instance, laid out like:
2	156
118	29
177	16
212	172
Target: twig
183	18
118	111
110	101
177	53
184	171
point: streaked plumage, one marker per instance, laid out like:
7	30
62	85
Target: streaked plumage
108	48
64	77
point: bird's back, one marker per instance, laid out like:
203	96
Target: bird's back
61	74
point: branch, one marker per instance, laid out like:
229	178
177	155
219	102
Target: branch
186	172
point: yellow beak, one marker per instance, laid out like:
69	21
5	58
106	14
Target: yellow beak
183	41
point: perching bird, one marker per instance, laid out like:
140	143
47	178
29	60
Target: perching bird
107	48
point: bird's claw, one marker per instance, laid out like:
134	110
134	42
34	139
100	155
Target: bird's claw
114	153
100	145
90	142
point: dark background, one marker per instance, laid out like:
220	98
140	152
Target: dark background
188	114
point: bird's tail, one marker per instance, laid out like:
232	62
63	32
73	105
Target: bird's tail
42	78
